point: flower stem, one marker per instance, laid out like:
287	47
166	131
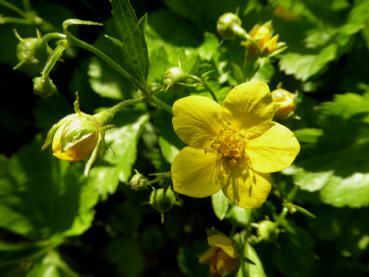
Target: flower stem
53	59
13	8
107	115
51	36
92	49
206	85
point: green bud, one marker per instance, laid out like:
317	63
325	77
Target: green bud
138	181
267	230
44	86
31	50
162	199
229	26
173	76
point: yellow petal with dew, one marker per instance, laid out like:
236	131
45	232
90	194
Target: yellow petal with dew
194	172
224	243
249	107
249	189
196	120
273	151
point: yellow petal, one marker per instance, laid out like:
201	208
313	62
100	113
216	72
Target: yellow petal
196	120
208	255
273	151
225	264
249	189
76	152
250	107
224	243
194	172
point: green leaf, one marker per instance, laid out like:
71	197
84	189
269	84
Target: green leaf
335	164
220	204
51	265
323	43
33	195
169	150
116	165
107	82
248	269
294	256
131	41
303	66
239	216
14	255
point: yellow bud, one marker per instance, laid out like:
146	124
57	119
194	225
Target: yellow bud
72	141
285	101
263	37
76	137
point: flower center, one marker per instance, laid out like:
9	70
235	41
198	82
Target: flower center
230	146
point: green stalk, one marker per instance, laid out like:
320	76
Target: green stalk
205	84
13	8
92	49
53	59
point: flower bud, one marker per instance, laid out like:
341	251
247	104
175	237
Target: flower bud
76	137
229	26
44	86
79	136
262	35
162	199
32	50
285	101
138	181
173	76
267	230
222	255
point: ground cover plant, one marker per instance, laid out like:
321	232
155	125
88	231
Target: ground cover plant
184	138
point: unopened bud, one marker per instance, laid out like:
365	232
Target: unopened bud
44	86
78	136
31	50
138	181
173	76
229	26
162	199
285	101
267	230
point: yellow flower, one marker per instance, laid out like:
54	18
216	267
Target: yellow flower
222	255
232	147
263	37
285	101
75	138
